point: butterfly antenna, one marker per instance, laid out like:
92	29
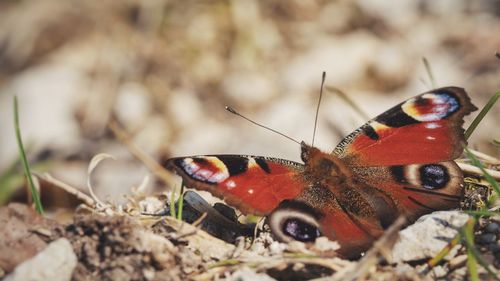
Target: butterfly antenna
317	108
230	109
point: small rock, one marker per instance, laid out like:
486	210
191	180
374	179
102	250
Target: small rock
458	261
428	235
277	248
495	248
492	227
56	262
323	244
439	272
487	238
20	231
246	274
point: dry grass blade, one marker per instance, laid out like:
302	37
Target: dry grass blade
444	252
199	220
473	170
428	69
491	180
150	163
349	101
68	188
485	158
93	164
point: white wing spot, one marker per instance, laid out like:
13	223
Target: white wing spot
218	177
190	167
203	174
230	184
432	125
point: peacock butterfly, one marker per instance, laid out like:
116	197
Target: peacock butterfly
399	163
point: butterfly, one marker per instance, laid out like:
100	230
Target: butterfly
399	163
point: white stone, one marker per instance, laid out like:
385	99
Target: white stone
247	274
55	263
428	235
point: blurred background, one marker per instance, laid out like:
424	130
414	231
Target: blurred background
164	70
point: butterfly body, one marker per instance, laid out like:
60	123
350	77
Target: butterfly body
399	163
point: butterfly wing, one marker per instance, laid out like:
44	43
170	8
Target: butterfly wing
423	129
405	151
253	184
415	189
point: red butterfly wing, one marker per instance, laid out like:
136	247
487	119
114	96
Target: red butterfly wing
252	184
423	129
416	189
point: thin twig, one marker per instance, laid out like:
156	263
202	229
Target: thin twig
349	101
150	163
381	247
68	188
488	159
428	69
199	220
471	169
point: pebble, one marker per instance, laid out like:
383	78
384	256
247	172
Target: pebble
427	236
56	262
458	261
493	228
495	248
487	238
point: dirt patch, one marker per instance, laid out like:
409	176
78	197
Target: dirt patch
118	248
23	232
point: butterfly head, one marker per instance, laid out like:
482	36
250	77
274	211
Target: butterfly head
308	152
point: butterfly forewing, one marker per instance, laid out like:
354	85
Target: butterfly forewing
423	129
253	184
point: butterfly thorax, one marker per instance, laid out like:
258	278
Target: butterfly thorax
323	168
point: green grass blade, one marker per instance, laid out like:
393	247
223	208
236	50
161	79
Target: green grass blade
181	204
228	262
481	115
484	213
486	175
349	101
473	255
467	233
428	69
22	154
172	202
479	259
472	265
445	251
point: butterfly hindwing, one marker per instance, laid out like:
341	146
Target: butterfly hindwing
415	189
252	184
423	129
